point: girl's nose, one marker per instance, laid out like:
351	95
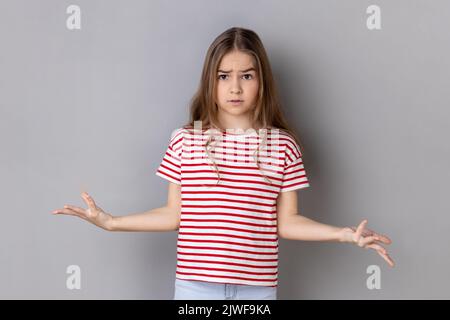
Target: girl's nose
236	87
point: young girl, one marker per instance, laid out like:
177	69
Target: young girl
233	172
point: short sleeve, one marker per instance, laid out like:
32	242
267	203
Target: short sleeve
294	174
170	166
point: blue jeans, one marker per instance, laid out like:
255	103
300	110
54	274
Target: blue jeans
203	290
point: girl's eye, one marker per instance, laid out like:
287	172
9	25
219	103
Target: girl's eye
225	75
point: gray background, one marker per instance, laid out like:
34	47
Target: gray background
94	109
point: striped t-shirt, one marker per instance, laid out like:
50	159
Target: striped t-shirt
228	231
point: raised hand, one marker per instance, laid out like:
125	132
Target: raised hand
367	238
93	214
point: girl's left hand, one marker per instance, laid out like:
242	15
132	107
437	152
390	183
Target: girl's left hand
367	238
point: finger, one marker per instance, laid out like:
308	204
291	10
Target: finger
364	241
79	210
383	253
377	247
367	233
387	258
379	242
89	201
381	237
373	240
384	239
68	212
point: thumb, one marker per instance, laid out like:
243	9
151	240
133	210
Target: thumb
360	230
89	201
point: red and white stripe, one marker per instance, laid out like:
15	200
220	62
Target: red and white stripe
228	231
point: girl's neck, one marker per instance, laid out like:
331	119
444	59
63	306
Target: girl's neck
236	125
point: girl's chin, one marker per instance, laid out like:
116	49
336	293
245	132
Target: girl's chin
235	110
231	106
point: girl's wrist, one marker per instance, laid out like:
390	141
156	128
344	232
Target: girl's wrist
345	234
110	223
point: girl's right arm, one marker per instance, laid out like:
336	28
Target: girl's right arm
166	218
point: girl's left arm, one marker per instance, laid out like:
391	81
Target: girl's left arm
293	226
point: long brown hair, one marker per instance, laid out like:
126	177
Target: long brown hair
267	112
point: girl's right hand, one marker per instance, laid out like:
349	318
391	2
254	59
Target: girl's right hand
94	214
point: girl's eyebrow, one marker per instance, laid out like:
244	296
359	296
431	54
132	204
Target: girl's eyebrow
251	69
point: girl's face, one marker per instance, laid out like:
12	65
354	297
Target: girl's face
237	80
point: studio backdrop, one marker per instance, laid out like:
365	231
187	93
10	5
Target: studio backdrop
90	92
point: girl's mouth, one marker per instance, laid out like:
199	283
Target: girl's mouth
235	101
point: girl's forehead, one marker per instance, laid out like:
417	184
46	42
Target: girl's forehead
236	61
